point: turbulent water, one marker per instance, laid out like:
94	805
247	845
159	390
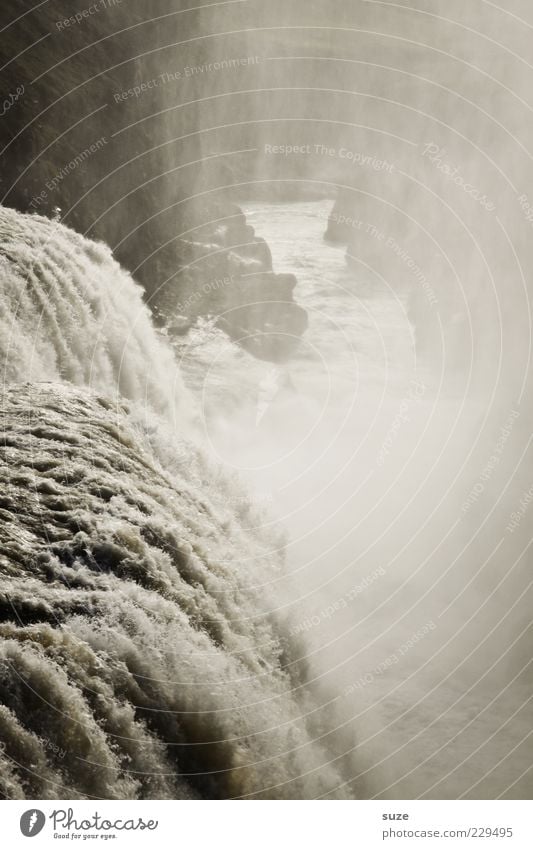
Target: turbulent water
305	599
141	652
70	313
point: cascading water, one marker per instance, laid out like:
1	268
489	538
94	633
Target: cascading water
141	651
69	312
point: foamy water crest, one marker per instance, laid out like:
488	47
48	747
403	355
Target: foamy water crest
69	312
142	654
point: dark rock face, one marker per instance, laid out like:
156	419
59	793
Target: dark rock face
341	219
225	271
268	323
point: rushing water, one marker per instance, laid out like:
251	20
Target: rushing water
141	652
166	632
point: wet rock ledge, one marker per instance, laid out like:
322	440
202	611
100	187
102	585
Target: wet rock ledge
225	271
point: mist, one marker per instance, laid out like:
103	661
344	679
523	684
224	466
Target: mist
316	278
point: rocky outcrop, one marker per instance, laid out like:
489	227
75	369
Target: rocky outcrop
341	221
383	244
225	271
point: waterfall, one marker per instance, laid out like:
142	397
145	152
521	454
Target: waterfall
141	655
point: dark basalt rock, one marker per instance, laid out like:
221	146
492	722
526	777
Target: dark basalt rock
225	271
342	218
